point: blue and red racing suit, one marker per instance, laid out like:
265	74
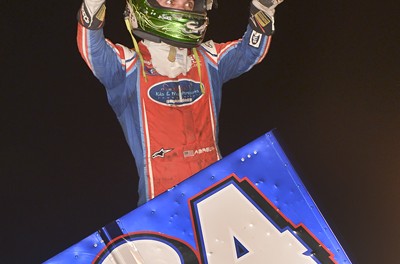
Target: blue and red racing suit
170	124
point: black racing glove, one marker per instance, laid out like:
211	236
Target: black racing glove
92	13
262	15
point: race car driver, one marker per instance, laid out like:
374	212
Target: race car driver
166	91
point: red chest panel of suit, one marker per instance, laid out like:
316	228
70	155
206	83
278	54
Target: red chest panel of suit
179	126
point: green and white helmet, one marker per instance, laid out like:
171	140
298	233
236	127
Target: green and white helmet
180	28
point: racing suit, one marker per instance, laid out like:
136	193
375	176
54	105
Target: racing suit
170	124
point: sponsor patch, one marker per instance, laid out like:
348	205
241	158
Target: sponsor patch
255	39
262	19
177	93
192	152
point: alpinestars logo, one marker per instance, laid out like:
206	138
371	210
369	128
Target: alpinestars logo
161	153
191	153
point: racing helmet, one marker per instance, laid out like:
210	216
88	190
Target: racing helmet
181	28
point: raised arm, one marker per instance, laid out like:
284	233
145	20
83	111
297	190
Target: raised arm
238	57
106	60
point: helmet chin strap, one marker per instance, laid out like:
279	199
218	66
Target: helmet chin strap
172	54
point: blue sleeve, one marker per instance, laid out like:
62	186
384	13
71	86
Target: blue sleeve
109	63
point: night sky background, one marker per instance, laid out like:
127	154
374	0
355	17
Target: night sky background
330	86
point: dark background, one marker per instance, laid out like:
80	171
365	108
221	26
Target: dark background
329	85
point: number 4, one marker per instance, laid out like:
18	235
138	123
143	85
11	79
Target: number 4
231	229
